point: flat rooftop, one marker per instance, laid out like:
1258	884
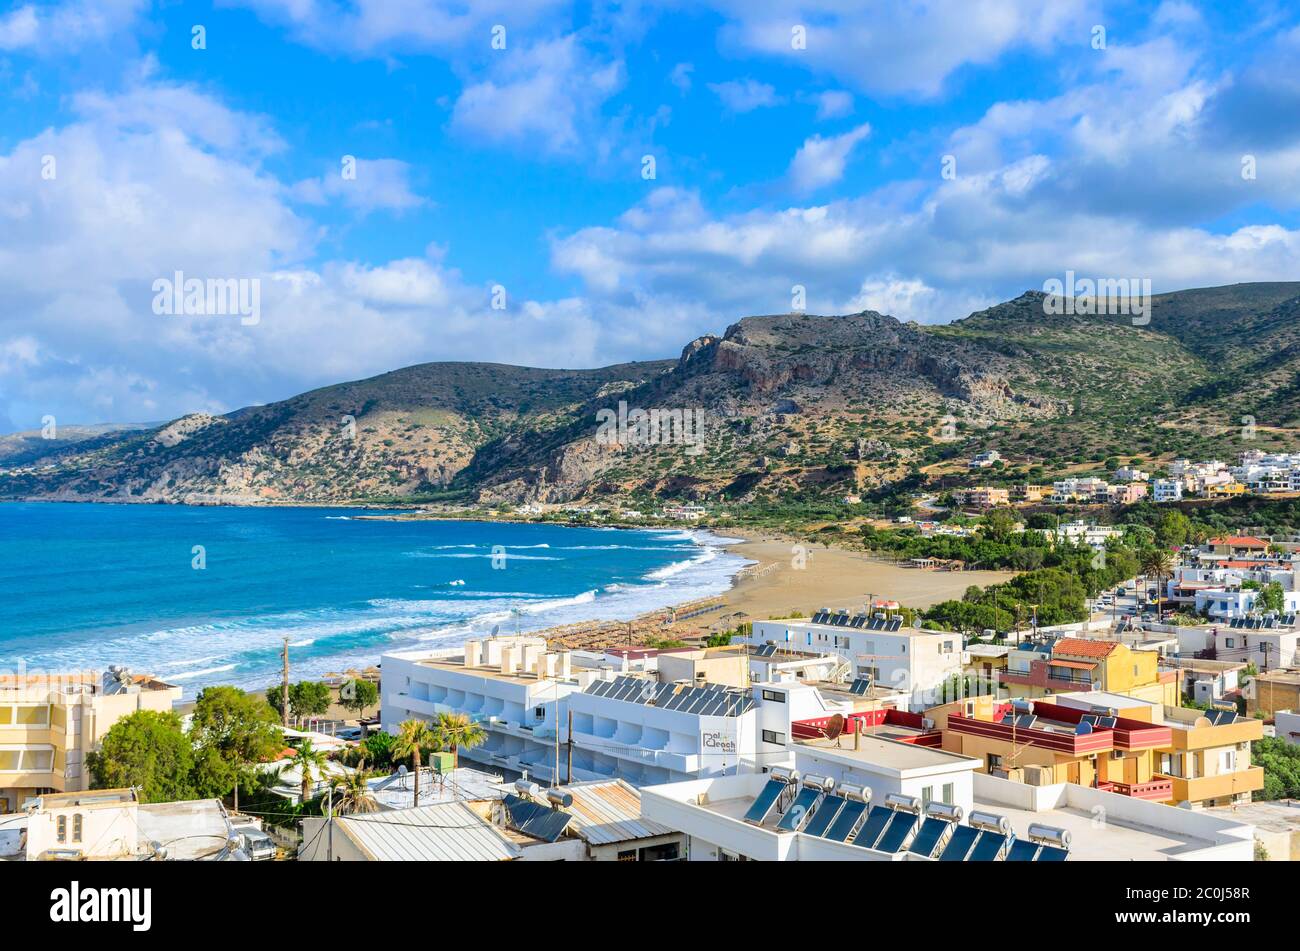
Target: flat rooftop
1112	842
878	751
492	672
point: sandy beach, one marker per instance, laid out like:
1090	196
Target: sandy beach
797	576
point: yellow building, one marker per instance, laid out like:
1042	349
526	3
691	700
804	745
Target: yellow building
1073	663
49	723
1145	750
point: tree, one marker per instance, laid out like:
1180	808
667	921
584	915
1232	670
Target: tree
1273	597
358	695
1159	564
149	750
306	699
1174	529
230	729
457	732
412	739
311	764
355	795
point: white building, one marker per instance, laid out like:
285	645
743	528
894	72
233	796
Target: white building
887	801
1167	490
632	727
1087	533
1131	474
878	649
984	460
1286	726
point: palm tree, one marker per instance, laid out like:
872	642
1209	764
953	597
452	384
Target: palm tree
311	764
355	795
1157	563
413	738
458	732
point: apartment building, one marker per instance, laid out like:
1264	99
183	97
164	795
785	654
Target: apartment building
638	727
869	799
1069	664
49	723
985	460
1131	474
1087	533
1167	490
1132	747
878	648
983	497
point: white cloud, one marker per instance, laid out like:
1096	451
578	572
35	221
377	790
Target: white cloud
681	77
899	47
547	93
378	184
833	104
820	161
745	95
67	27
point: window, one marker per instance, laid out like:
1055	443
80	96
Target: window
771	736
774	695
947	647
61	828
1229	642
76	827
948	794
927	796
539	713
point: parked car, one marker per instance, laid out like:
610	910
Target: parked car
258	846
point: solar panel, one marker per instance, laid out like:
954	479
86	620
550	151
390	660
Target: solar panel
1026	721
899	828
678	699
765	801
858	620
927	839
799	810
860	687
701	700
963	837
877	819
1022	850
895	623
714	706
843	825
826	812
599	688
535	820
820	616
989	846
1107	723
1221	717
1090	719
1050	853
766	650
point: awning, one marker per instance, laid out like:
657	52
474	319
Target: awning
1072	664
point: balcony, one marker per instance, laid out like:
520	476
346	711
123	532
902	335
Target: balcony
1160	789
1223	786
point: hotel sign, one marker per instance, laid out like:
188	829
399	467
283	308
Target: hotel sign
718	742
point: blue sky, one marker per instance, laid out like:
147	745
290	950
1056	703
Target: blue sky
522	167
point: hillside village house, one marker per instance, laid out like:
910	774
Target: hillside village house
49	723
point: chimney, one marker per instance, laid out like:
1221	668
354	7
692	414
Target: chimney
565	665
509	660
472	649
545	665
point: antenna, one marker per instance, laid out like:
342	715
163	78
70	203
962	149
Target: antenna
834	728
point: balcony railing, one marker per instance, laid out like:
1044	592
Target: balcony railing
1157	790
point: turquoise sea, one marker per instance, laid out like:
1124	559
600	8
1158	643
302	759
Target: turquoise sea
202	595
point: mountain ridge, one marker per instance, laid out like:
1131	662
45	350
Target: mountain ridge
795	404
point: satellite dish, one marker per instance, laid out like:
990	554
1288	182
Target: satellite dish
496	629
835	727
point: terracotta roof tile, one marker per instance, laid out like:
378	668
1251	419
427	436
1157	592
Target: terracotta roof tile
1080	648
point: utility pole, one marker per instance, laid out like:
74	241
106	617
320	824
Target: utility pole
569	771
284	687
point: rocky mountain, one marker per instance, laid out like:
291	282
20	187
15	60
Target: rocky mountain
777	405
